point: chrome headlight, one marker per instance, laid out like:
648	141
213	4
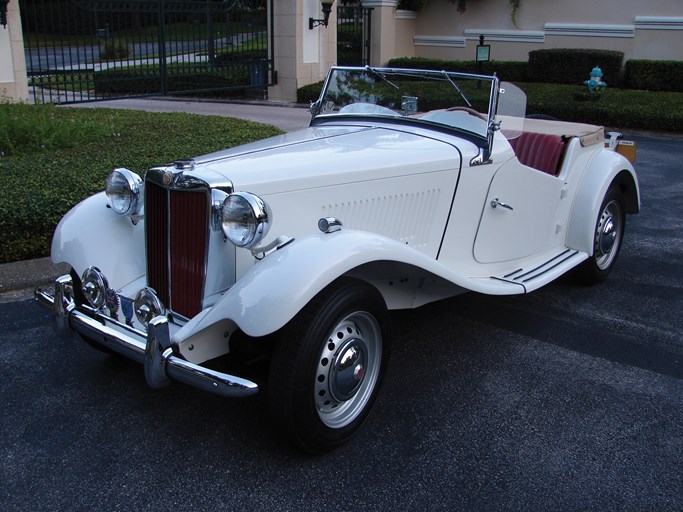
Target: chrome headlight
245	219
94	286
124	191
148	306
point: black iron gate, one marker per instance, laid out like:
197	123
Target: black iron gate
353	35
86	50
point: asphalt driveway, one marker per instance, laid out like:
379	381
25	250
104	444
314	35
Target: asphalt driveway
570	398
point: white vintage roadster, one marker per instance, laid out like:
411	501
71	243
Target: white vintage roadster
409	186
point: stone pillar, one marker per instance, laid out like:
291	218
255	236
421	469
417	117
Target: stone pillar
383	40
13	84
302	56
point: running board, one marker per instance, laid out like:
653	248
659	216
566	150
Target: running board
539	274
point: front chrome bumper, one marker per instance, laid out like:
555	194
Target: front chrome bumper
153	349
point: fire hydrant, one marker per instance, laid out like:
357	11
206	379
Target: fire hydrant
595	82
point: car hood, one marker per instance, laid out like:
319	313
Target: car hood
324	156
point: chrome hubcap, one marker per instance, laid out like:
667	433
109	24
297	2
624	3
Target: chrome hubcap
607	235
347	369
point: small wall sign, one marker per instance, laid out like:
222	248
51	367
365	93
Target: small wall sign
483	52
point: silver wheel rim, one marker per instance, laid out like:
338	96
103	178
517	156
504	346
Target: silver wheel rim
608	235
348	368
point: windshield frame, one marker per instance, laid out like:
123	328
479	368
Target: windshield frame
321	113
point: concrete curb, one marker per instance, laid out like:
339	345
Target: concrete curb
20	278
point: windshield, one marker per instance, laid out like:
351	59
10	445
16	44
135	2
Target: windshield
455	100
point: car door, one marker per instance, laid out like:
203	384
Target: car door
519	218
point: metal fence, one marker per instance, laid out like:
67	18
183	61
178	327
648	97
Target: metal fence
86	50
353	35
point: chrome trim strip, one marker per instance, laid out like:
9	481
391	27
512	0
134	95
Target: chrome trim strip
548	269
542	267
173	177
155	353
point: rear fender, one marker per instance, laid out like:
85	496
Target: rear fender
605	169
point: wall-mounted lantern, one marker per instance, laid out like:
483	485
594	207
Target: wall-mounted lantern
3	12
327	9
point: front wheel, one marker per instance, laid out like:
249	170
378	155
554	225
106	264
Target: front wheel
607	238
328	364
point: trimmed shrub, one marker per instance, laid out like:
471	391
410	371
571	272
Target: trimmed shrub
44	183
223	59
148	80
113	49
619	108
510	71
309	93
654	75
28	129
573	66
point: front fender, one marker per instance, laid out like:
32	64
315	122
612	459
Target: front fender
92	234
605	169
274	290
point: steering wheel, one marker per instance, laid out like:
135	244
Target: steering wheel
469	110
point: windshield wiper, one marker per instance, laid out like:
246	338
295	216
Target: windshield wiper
456	88
368	68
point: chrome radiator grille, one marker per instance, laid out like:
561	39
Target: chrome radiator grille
176	231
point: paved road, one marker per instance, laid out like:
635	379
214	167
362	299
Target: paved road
287	117
570	398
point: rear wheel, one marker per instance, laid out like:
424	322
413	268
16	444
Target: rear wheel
608	235
328	365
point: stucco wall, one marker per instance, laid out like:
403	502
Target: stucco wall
643	30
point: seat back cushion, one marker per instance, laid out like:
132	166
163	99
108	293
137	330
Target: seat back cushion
539	150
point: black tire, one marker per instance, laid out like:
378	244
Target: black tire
328	365
607	239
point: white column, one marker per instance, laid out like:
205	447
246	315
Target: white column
302	55
13	83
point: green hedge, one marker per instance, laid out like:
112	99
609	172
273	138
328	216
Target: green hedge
148	80
573	66
226	58
47	174
309	93
654	75
619	108
567	66
509	71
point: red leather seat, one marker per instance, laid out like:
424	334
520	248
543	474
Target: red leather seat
540	151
